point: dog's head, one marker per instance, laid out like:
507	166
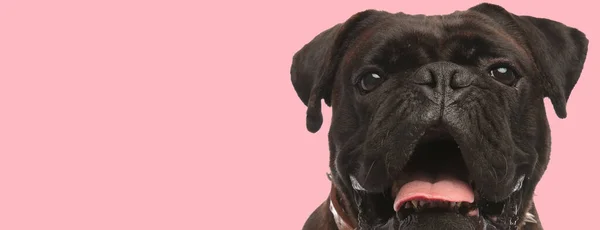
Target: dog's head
439	119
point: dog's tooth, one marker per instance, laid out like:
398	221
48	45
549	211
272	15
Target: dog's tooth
408	205
452	204
458	204
415	203
474	212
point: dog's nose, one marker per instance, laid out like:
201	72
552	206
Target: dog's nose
443	82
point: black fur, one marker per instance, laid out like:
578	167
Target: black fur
437	76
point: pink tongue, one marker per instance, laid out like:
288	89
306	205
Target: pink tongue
445	188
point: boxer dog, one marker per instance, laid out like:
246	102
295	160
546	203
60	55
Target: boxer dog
438	122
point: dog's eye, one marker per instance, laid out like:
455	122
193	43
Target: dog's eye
370	81
503	74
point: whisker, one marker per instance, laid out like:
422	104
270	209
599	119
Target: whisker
369	172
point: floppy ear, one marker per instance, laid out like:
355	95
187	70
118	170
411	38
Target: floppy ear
558	50
314	66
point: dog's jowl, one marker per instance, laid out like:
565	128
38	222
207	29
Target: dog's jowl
438	121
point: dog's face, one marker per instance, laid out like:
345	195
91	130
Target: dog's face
439	120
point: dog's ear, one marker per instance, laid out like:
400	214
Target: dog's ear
559	51
314	66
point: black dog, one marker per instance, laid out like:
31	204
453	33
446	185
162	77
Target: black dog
438	121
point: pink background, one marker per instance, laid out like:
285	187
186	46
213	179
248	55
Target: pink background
181	115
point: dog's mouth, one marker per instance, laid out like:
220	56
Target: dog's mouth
436	179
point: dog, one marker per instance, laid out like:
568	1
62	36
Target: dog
438	121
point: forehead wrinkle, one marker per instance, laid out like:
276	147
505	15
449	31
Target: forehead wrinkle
510	39
357	44
489	27
366	37
406	33
465	25
362	45
437	27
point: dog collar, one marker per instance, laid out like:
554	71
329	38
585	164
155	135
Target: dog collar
339	215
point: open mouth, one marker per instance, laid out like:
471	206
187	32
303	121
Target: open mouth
437	179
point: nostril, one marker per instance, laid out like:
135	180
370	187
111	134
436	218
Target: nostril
461	80
426	79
